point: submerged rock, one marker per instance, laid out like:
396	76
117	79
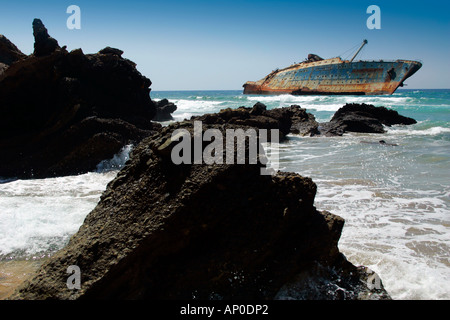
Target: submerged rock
61	113
198	231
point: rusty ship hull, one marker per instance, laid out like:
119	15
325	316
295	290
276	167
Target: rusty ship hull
336	76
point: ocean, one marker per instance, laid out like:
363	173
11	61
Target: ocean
395	199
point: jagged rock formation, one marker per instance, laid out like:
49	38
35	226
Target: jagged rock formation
198	231
9	53
162	230
43	43
61	113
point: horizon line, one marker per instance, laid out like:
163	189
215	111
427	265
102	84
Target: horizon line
187	90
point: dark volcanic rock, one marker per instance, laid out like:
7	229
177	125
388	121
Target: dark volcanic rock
287	120
221	231
303	123
244	117
109	50
351	123
3	67
43	43
61	113
164	110
385	116
9	53
362	118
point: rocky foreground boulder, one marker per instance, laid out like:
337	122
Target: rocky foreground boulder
61	113
198	231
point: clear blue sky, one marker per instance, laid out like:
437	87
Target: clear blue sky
188	45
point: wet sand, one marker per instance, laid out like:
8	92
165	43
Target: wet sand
13	273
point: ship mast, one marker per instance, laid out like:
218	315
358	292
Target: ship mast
362	45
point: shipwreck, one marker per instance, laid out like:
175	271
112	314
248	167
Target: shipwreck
316	76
